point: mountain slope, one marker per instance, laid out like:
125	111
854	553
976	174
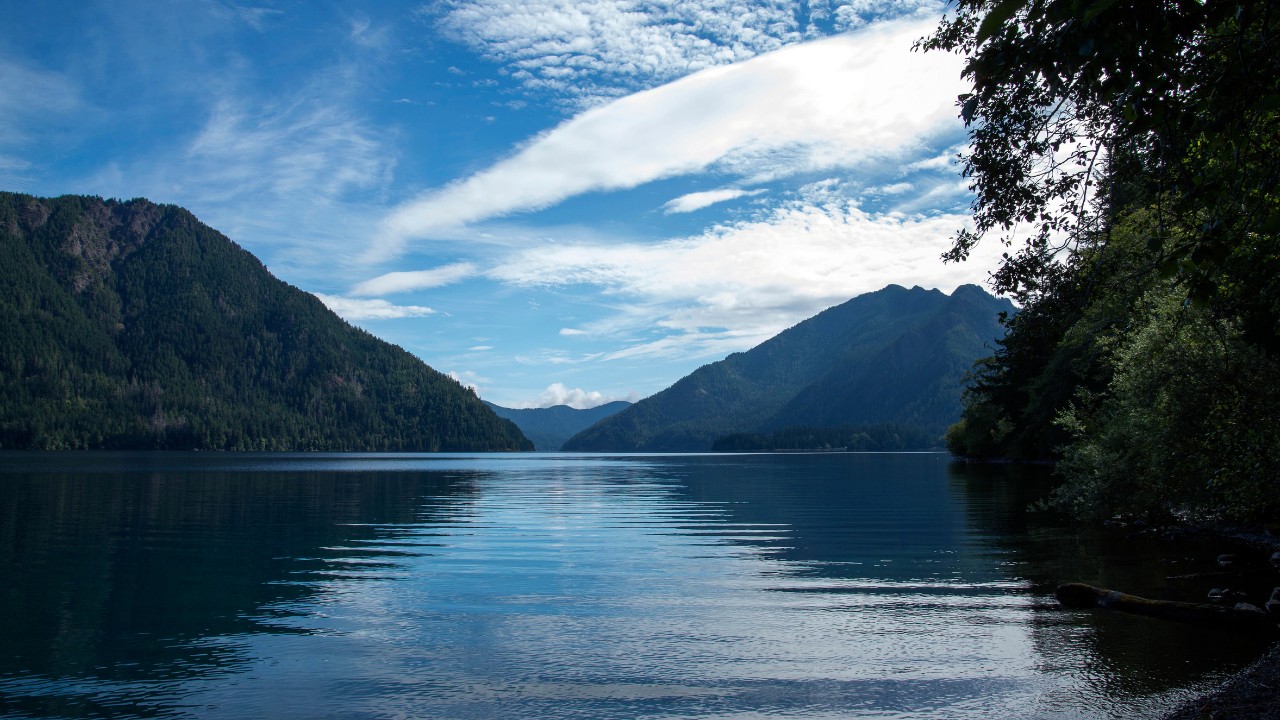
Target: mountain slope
891	356
549	428
133	325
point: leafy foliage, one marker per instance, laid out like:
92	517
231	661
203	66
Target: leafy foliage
1188	422
1129	154
1170	105
132	325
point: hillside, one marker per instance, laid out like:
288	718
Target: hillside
894	356
549	428
133	325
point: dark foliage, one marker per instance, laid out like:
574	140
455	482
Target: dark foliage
1136	147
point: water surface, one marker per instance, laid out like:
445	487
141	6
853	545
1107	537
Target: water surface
570	586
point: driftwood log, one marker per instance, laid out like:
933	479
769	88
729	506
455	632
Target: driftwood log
1242	615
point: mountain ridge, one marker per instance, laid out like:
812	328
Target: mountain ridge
550	427
811	373
132	325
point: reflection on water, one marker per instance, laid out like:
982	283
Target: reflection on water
551	586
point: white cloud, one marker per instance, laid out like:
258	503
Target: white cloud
406	281
838	102
894	189
736	285
559	394
366	309
698	200
572	332
468	379
946	160
593	49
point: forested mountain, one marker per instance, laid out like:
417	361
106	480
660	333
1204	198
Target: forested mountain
891	356
133	325
549	428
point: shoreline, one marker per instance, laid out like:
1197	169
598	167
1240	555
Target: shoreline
1250	694
1253	692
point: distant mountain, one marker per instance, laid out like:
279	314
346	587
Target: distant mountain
133	325
894	356
550	427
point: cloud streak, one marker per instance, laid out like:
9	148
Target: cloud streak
838	102
699	200
406	281
371	309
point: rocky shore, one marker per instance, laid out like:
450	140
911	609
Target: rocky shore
1252	694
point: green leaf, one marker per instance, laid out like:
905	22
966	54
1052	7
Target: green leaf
1097	9
996	19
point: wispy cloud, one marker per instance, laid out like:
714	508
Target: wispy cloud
699	200
256	17
405	281
30	97
371	309
313	147
36	107
838	102
296	175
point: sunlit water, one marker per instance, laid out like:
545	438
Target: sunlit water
561	586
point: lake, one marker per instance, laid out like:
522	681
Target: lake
834	585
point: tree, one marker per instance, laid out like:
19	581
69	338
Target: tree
1128	154
1082	109
1187	426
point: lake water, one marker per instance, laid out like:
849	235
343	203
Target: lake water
571	586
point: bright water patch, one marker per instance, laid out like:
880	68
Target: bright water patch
561	586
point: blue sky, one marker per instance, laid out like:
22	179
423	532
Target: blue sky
553	201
